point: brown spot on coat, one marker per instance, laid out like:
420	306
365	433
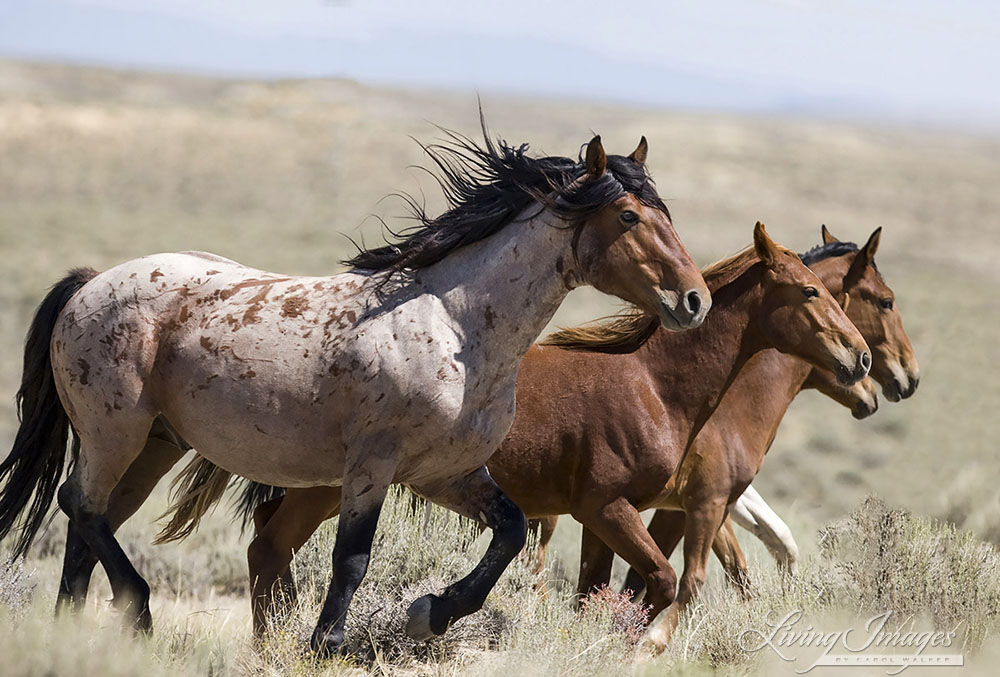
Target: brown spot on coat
155	274
294	306
84	371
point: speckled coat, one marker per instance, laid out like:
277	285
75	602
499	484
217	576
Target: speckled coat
283	379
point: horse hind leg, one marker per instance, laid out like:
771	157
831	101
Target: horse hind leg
84	497
158	456
283	526
734	563
78	565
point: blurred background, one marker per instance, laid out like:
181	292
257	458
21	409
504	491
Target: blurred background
267	132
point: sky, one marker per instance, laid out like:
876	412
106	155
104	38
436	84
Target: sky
912	61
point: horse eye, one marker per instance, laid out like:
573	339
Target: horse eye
810	292
629	218
886	303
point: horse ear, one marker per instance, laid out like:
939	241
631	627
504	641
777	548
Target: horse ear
596	159
872	245
764	246
865	256
828	237
640	152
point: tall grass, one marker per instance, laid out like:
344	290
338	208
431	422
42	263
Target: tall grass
927	573
876	560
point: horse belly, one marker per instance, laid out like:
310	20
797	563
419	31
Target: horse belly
259	438
454	446
259	413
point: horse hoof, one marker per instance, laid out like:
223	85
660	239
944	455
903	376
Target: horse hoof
326	643
419	626
651	645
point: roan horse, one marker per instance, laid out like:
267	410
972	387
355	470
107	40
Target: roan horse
604	413
730	449
399	371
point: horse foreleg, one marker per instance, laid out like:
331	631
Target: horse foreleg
156	459
753	514
283	526
545	528
475	496
701	524
667	529
363	494
620	526
596	560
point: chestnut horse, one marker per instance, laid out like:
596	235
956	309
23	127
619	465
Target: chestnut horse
401	370
741	430
604	413
750	511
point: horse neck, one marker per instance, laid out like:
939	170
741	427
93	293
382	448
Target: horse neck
755	403
770	380
693	369
502	291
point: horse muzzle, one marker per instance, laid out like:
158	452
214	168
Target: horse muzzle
680	312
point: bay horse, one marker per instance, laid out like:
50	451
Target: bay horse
604	413
729	451
401	370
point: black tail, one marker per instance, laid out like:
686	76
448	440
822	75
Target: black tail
253	495
35	464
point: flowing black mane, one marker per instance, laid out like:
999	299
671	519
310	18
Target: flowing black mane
487	185
822	252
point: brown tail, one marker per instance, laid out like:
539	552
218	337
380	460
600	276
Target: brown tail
197	488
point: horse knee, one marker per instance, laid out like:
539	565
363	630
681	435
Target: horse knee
140	591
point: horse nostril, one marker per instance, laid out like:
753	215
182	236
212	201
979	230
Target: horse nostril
866	361
693	302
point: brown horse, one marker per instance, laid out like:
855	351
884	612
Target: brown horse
401	370
749	510
605	413
743	427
